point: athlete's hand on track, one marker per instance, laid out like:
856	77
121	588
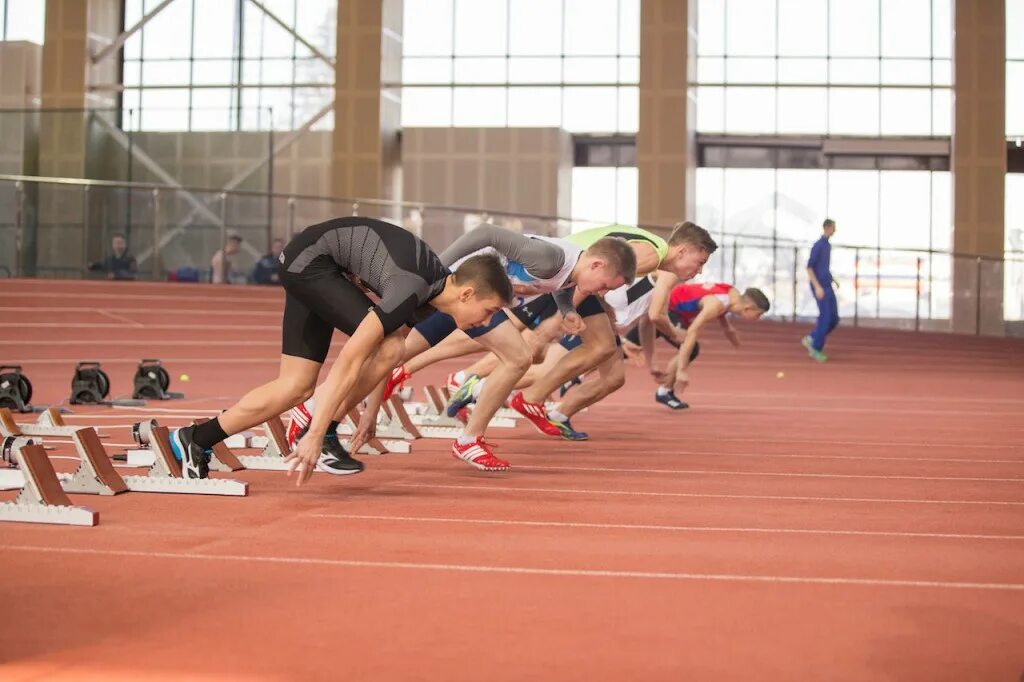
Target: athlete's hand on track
303	458
682	381
733	336
573	324
366	430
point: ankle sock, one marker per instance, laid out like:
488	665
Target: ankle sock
209	433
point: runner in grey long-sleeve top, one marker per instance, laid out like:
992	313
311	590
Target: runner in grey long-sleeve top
535	265
322	271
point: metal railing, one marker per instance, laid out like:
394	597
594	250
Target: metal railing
60	227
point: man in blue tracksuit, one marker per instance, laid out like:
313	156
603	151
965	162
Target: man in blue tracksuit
821	285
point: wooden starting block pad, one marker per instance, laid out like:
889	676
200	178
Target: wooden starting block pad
42	499
49	423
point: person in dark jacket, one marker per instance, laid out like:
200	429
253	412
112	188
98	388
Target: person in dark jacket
265	271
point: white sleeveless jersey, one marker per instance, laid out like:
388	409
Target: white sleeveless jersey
518	274
630	302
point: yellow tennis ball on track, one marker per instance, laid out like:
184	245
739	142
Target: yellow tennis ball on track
780	375
183	377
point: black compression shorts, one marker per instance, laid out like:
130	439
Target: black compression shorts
319	300
533	312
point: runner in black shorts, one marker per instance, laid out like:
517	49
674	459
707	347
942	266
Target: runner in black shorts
327	271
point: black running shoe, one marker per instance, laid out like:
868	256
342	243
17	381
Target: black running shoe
575	381
671	401
195	461
334	458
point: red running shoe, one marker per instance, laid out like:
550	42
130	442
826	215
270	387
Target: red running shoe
478	454
397	380
536	413
300	418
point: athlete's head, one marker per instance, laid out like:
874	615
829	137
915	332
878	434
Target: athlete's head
608	264
829	228
689	247
753	304
481	289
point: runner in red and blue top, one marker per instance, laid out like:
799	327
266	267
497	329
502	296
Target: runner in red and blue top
695	305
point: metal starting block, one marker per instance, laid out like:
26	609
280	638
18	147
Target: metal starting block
42	499
49	423
375	446
436	414
164	475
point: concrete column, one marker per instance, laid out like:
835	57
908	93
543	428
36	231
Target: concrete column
365	157
978	162
666	142
69	138
74	30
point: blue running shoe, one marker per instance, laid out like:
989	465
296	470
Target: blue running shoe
671	401
195	461
567	432
463	396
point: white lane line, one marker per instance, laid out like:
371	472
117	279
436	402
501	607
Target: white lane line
526	570
784	474
161	327
148	311
276	359
172	342
816	441
775	455
633	493
695	529
128	295
872	398
888	410
113	316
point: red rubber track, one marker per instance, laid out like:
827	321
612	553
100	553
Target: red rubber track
858	520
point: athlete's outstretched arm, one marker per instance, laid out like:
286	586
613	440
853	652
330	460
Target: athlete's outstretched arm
485	235
710	307
657	311
729	331
342	377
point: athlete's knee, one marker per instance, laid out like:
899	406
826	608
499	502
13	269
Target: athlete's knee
603	352
391	350
520	359
297	390
615	380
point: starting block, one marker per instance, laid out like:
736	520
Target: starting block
42	499
49	423
422	425
164	475
222	460
376	446
436	414
274	452
95	474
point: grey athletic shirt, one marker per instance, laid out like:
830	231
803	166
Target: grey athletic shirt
544	263
390	261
